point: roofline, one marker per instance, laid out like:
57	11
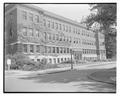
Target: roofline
51	14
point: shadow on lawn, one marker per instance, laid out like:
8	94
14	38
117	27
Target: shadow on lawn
79	76
62	77
97	87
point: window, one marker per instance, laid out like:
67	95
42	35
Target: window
49	24
38	60
57	37
30	31
49	49
31	16
69	29
66	28
25	48
53	25
64	50
68	50
61	50
31	48
38	48
50	37
24	30
53	36
24	15
36	18
53	49
44	22
57	49
56	25
60	27
37	32
63	27
58	60
74	30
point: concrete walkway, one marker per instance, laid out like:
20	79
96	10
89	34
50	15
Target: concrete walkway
98	65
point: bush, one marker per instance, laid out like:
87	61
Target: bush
67	62
51	66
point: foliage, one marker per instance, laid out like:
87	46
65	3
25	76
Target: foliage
23	62
105	15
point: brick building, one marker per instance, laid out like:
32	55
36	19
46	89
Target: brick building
38	33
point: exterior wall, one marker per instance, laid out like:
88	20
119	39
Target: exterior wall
11	30
42	39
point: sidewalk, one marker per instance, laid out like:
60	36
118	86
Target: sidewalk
56	70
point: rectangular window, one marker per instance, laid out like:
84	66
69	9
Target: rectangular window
37	32
69	29
31	48
53	49
53	25
57	49
24	30
49	24
60	27
49	49
66	28
25	48
74	30
61	50
24	15
38	48
30	31
44	22
56	25
36	18
63	27
31	16
68	50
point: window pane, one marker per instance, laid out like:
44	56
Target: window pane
24	15
37	32
37	18
24	30
31	17
30	31
38	48
31	48
25	48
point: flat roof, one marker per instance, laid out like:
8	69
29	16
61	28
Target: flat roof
52	15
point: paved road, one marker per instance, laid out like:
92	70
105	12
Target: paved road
70	81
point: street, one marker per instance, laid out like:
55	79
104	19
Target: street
69	81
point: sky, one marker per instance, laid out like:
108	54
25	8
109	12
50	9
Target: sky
72	11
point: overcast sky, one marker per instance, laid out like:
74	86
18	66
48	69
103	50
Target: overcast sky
71	11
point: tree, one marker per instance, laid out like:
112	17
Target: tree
105	15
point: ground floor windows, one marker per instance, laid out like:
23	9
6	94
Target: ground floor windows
25	48
38	48
31	48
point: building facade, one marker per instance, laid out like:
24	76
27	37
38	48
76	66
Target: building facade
41	34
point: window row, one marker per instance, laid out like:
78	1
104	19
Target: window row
44	49
89	51
58	37
30	32
30	16
102	51
49	36
66	28
88	42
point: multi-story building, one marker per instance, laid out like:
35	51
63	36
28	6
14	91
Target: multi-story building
41	34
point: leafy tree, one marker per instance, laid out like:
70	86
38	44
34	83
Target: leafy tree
105	15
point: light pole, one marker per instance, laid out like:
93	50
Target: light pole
71	59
